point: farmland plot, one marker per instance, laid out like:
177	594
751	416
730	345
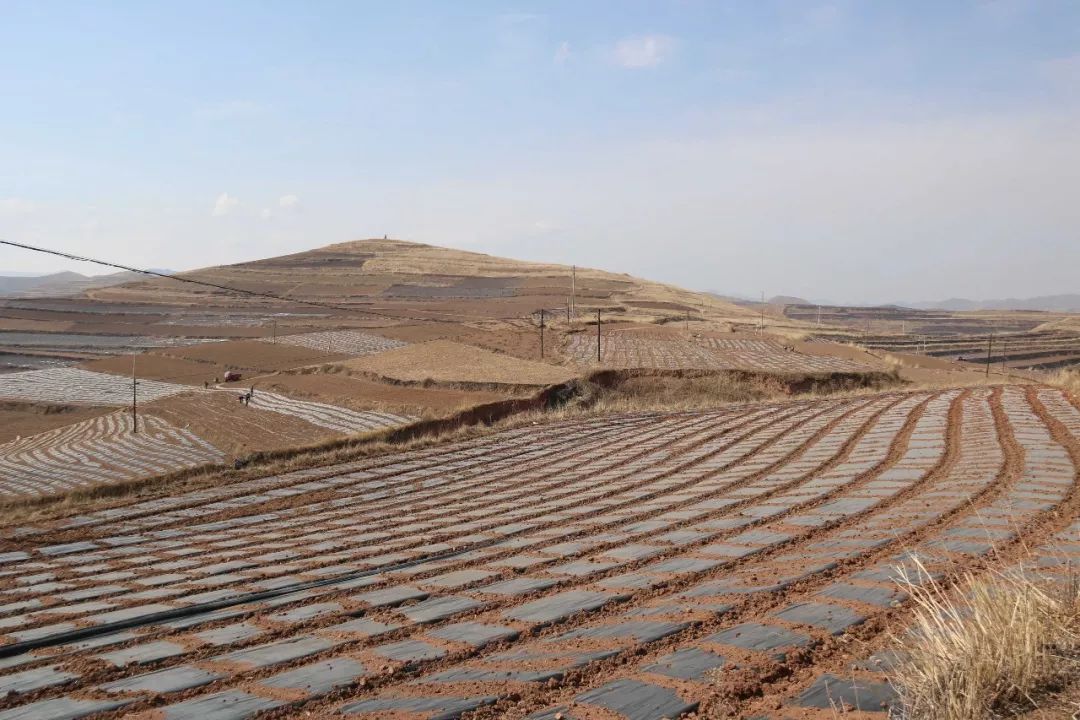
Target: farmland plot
80	387
331	417
343	342
98	451
765	355
589	568
627	351
1036	349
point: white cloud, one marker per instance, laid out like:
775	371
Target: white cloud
562	53
286	204
12	206
643	51
224	204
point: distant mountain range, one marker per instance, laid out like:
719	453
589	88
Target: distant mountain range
60	284
1050	303
1056	303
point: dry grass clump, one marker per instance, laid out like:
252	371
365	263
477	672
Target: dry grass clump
985	646
675	391
1069	379
670	394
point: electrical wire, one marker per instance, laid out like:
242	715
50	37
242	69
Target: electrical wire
255	293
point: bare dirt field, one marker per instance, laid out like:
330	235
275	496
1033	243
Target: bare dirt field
449	362
153	366
238	431
253	355
520	342
518	338
730	563
18	419
362	394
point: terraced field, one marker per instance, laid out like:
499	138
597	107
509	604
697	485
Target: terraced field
80	387
596	568
345	342
98	451
1036	350
628	351
331	417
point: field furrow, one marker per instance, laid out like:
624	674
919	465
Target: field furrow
345	342
619	350
77	386
98	451
639	566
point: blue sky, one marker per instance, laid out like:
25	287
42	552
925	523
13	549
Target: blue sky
854	151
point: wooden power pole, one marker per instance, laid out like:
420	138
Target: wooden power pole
134	398
989	350
573	288
598	336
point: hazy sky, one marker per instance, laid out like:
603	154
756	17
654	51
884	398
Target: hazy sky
856	151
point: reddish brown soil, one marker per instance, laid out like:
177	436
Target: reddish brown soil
360	393
522	343
413	333
28	325
153	366
233	428
556	495
23	419
656	332
448	362
253	355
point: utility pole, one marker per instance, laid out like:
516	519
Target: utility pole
573	287
541	333
989	349
1004	354
134	398
598	335
761	323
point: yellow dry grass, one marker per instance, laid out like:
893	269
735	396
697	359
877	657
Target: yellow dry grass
985	646
1068	379
364	268
444	361
672	392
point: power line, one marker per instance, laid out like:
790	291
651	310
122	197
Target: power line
243	291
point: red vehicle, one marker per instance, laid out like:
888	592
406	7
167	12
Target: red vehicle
233	376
